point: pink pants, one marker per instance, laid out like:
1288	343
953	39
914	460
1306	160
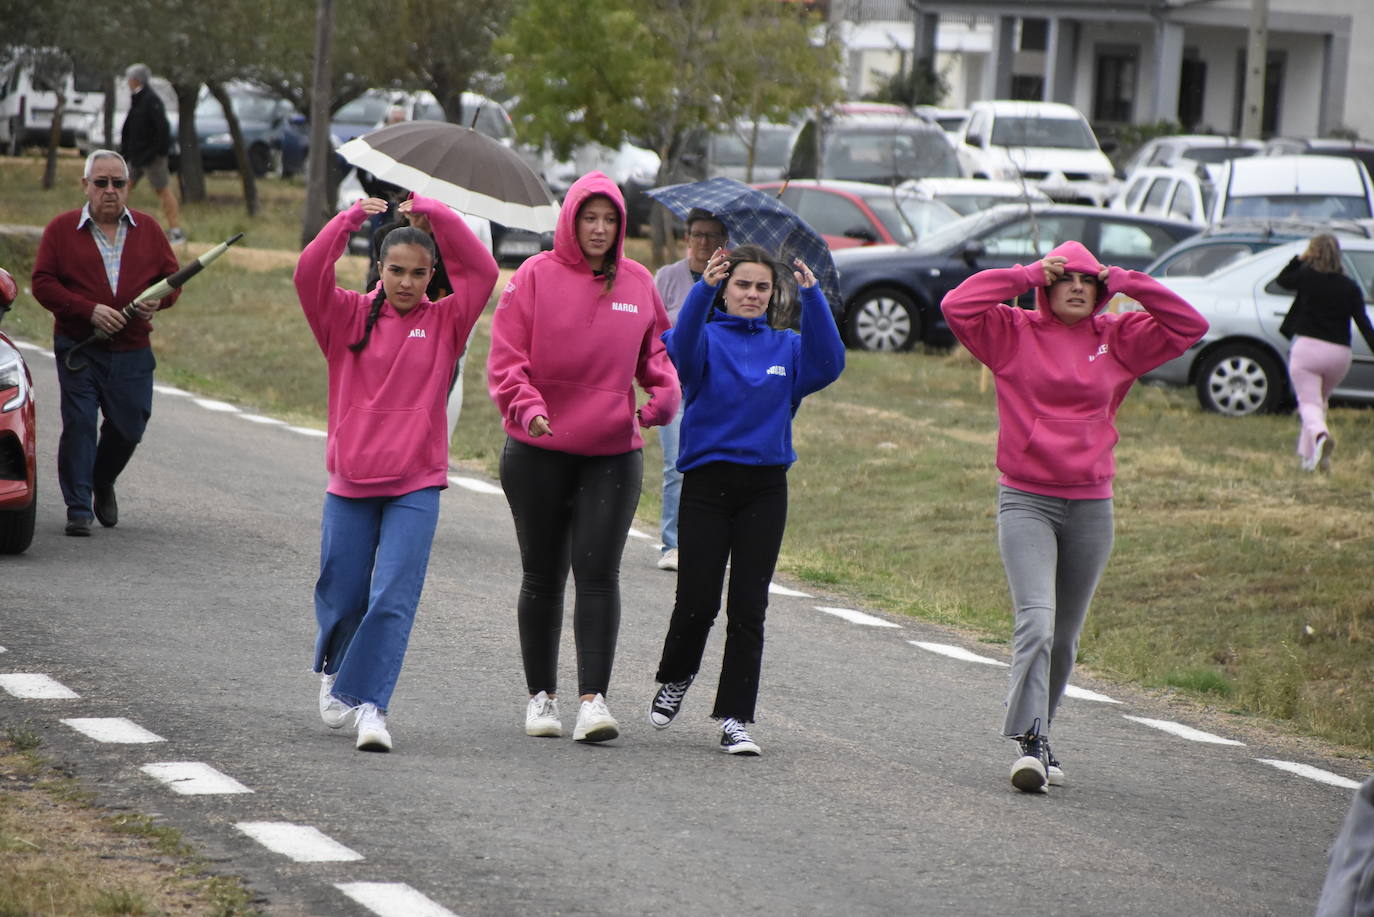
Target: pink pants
1315	368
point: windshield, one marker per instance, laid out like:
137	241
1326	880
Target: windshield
965	204
889	157
961	230
247	107
1059	133
772	149
908	218
1299	207
1218	153
363	110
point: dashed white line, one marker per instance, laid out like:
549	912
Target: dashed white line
258	418
211	404
192	778
957	652
115	729
308	431
856	617
170	390
3	650
1085	694
1183	732
636	533
783	590
475	485
1312	773
301	843
30	686
25	345
392	899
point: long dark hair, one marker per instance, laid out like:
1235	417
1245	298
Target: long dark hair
405	235
780	303
608	261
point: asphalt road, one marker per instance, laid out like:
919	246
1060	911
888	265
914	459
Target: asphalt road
882	788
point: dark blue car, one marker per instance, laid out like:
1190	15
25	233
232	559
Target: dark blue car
274	133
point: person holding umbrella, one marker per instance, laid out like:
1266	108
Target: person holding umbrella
575	329
391	356
744	374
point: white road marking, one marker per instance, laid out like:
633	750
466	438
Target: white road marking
308	431
856	617
636	533
1312	773
210	404
957	652
31	686
113	729
783	590
1085	694
170	390
1183	732
475	485
301	843
192	778
258	418
25	345
3	650
392	899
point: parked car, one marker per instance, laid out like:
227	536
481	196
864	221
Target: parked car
1294	187
891	293
1047	143
28	98
633	168
18	446
1189	150
949	120
727	153
850	213
970	195
1238	367
1363	150
1179	193
871	144
1223	243
275	135
91	135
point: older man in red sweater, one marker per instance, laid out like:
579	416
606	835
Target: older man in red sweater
91	263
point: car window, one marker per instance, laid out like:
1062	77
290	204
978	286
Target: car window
1155	197
1060	133
830	214
1299	207
1130	241
1182	207
1360	266
1028	239
889	156
366	109
1135	191
1205	259
907	218
1160	157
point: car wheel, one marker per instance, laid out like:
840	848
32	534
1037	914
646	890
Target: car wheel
16	527
883	319
1240	379
259	159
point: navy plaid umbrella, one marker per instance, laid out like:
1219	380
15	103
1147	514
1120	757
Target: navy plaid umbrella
753	216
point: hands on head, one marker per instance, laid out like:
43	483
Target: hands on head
805	279
374	205
1053	266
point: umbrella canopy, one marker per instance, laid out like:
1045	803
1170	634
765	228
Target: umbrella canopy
465	169
753	216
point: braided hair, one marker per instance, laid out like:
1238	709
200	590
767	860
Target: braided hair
405	235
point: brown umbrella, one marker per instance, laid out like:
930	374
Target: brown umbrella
467	170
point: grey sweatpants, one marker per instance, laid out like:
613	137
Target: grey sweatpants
1054	551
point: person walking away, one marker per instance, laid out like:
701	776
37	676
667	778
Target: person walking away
1318	323
91	263
146	141
390	355
704	235
744	373
575	329
1062	370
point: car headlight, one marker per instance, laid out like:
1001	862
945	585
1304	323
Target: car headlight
12	375
219	140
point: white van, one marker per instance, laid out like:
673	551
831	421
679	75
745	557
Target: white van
1294	187
1048	144
1177	193
27	103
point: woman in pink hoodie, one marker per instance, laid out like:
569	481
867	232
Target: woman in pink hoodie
391	355
574	330
1062	370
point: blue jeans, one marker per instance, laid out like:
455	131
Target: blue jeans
672	481
374	552
115	384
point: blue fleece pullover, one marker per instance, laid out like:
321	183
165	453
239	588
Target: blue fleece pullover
742	381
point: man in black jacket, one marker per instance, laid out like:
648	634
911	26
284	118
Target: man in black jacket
145	142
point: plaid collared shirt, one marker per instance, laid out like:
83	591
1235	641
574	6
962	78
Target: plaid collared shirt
110	252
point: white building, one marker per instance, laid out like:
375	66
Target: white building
1128	61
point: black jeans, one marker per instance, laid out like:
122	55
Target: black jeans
733	513
570	511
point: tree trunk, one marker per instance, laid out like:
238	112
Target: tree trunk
250	180
107	115
190	170
317	183
54	141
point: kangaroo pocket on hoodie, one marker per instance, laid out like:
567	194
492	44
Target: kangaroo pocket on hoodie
590	420
1067	451
381	445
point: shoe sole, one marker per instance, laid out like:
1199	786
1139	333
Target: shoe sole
373	743
748	749
1028	778
602	733
1055	777
545	732
1324	455
657	725
335	723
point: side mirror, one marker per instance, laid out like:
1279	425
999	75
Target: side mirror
973	139
972	251
862	233
1109	145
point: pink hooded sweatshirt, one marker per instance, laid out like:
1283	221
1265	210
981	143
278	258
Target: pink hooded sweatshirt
1058	385
564	348
388	431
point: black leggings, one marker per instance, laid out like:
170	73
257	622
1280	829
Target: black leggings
733	513
570	511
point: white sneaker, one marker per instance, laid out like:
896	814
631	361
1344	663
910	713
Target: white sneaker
333	711
1325	446
541	717
669	560
372	734
594	722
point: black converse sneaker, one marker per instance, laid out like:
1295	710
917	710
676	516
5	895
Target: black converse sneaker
1054	773
734	739
1030	773
667	702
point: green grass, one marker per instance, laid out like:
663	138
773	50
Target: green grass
1235	579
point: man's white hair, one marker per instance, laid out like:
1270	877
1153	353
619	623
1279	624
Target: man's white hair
103	154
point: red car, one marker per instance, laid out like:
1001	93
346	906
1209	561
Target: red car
853	213
18	494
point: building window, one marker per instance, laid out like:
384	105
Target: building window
1114	93
1035	34
1027	87
1192	89
1273	91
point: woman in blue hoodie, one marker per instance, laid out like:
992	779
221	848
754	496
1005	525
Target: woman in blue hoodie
744	373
